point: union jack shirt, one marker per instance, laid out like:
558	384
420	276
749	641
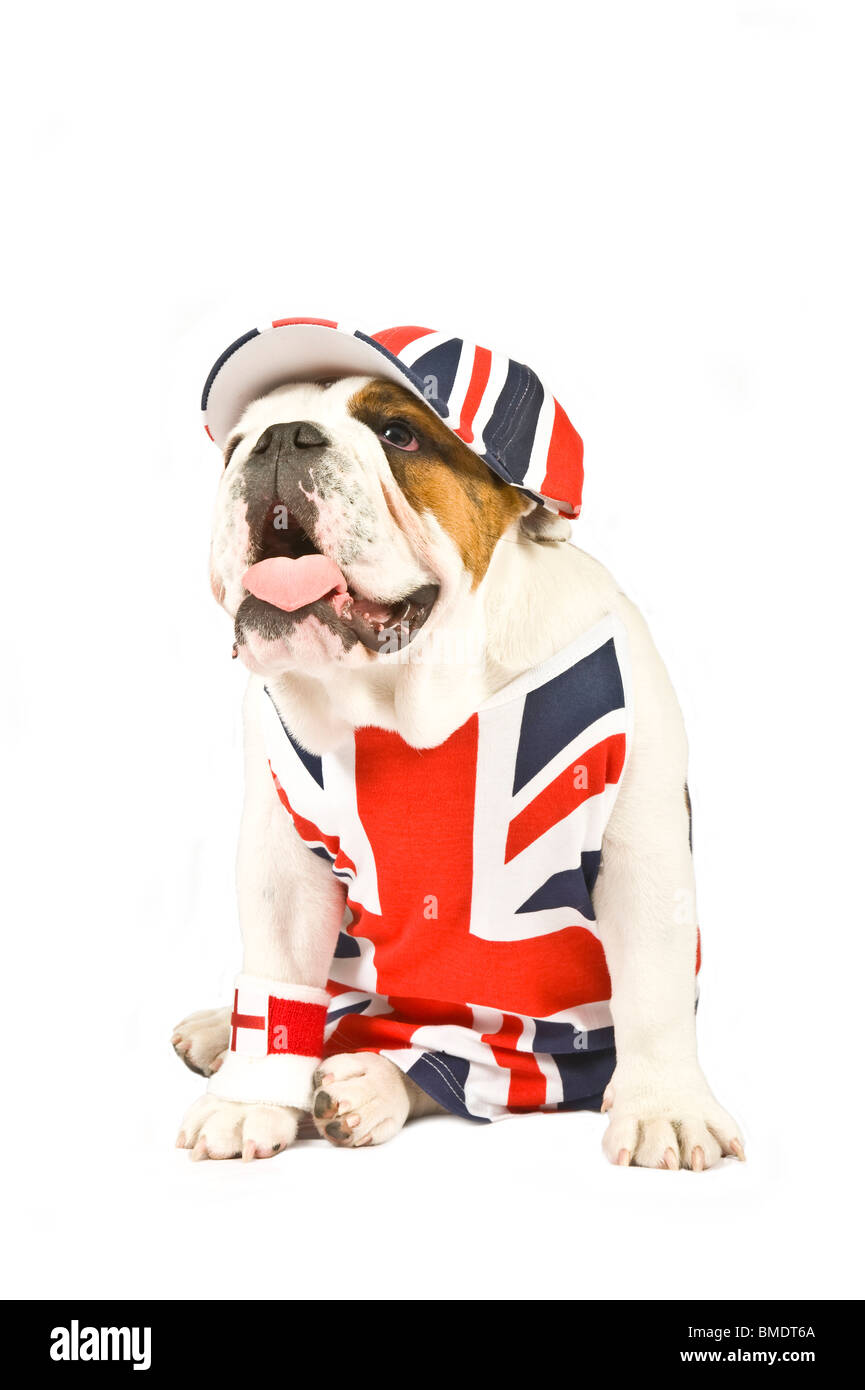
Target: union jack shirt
469	954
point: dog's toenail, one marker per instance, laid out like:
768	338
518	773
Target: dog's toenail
276	1148
353	1121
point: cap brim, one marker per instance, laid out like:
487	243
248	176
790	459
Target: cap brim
263	359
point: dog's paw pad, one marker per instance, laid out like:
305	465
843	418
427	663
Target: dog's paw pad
360	1099
338	1132
324	1106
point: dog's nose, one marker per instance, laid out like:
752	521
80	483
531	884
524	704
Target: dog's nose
308	436
299	434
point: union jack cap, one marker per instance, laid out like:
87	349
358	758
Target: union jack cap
496	406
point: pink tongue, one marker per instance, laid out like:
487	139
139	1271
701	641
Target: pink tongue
291	584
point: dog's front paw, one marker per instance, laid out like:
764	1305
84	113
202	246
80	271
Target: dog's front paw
201	1040
658	1125
360	1098
214	1128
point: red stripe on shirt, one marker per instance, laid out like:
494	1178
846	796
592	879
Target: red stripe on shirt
527	1089
309	831
393	1031
586	777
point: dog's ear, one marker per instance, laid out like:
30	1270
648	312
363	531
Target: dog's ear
544	526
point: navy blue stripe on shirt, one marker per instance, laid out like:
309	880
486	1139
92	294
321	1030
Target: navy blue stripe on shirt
558	712
311	761
585	1077
554	1037
358	1008
444	1078
565	889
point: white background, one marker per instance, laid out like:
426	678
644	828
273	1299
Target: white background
660	208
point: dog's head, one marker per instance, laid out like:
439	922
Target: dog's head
351	521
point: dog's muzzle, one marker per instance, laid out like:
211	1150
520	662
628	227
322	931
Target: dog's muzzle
290	470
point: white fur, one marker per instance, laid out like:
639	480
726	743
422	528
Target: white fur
369	1095
535	598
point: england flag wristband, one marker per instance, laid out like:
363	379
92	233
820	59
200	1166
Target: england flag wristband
277	1036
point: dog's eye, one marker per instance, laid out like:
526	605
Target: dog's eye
399	435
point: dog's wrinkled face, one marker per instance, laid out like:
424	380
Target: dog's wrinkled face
399	516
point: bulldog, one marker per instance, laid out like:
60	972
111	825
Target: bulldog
464	873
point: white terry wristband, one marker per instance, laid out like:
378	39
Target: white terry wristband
277	1036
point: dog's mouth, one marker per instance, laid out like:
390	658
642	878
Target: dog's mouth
294	579
387	627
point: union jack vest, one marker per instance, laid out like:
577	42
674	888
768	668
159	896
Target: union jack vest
469	954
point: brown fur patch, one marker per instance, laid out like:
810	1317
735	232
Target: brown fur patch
442	475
